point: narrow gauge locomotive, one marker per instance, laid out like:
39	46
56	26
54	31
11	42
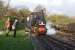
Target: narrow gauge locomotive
38	23
40	30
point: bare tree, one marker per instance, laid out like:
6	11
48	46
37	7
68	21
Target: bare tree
1	8
12	12
7	7
24	12
41	9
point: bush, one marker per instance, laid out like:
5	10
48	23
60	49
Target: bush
1	24
20	26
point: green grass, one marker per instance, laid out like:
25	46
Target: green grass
21	42
1	24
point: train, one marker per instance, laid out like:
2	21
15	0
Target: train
40	30
37	16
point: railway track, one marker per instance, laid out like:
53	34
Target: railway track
50	43
61	43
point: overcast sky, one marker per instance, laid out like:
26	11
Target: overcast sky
54	6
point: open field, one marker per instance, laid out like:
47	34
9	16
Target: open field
19	43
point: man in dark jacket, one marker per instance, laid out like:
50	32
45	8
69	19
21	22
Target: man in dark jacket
14	26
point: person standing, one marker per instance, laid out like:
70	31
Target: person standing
14	27
8	25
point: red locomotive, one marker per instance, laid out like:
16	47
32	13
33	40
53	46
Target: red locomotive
40	30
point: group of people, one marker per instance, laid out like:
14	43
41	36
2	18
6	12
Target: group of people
11	26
